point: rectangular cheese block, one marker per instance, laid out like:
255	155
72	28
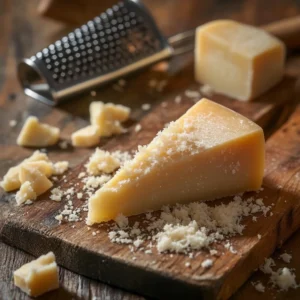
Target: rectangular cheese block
38	276
208	153
238	60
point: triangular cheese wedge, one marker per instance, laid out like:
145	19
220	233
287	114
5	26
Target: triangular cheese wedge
36	134
208	153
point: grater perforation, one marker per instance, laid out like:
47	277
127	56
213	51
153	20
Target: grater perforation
119	41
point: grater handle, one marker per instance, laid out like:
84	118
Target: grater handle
287	30
182	42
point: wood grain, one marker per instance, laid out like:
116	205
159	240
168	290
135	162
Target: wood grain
98	258
24	33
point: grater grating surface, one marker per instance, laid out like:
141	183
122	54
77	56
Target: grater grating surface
119	41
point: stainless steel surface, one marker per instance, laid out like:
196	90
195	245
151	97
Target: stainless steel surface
119	41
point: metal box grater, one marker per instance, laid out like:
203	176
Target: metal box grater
117	42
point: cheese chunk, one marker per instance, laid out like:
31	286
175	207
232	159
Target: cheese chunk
86	137
39	182
25	193
38	276
44	167
102	162
208	153
36	134
11	180
238	60
108	117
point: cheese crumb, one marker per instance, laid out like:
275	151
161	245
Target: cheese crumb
138	128
12	123
259	287
207	263
146	106
122	221
267	267
178	99
192	94
284	279
56	194
63	145
206	90
286	257
60	167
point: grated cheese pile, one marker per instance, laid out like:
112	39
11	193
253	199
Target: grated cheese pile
183	228
100	168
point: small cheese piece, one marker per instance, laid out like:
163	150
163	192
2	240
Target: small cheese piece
36	134
39	182
25	193
102	162
208	153
44	167
11	180
38	276
86	137
60	167
238	60
108	117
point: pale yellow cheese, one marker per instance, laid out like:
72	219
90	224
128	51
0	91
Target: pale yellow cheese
102	162
108	117
60	167
44	167
11	180
36	134
25	193
208	153
38	276
238	60
86	137
39	182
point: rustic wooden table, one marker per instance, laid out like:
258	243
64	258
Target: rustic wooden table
23	33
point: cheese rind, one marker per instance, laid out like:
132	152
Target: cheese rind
238	60
11	180
36	134
86	137
208	153
38	276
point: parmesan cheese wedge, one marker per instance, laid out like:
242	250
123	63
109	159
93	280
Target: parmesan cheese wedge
238	60
208	153
36	134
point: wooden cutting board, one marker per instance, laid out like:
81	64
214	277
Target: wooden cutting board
34	229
